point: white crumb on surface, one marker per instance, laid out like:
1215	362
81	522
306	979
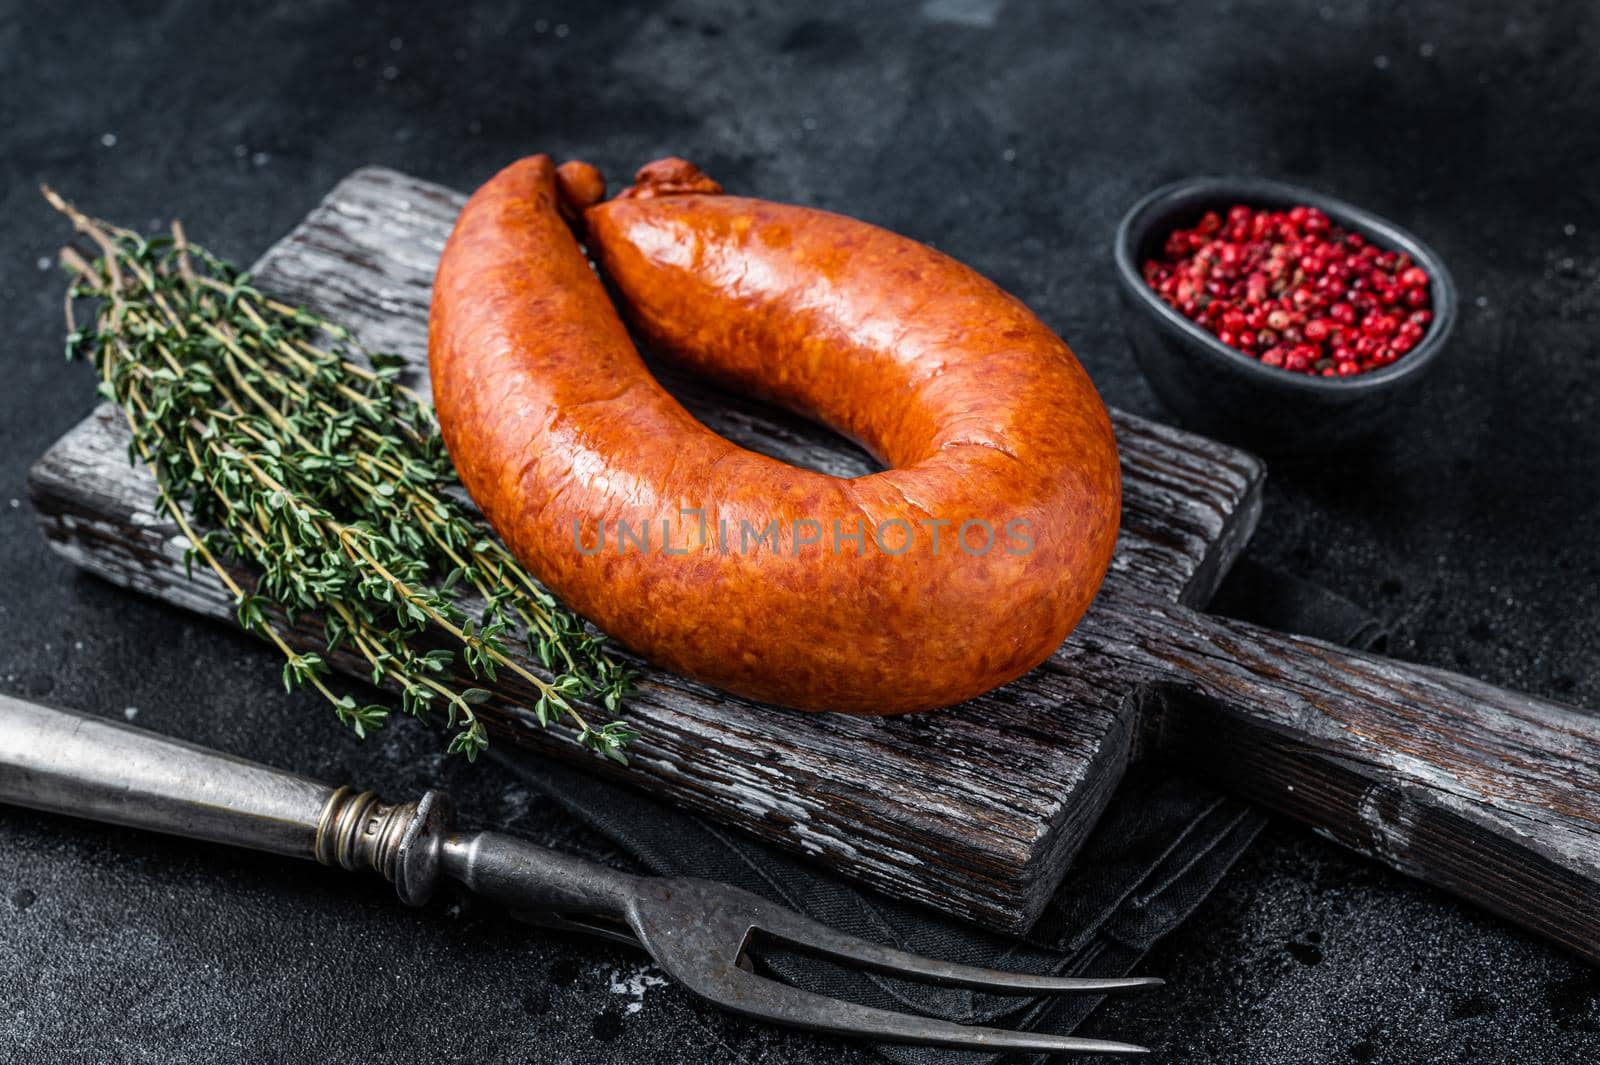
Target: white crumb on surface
635	983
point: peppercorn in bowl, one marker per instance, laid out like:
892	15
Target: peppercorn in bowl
1278	317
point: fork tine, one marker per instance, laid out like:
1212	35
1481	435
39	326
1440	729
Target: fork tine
768	1000
800	931
697	930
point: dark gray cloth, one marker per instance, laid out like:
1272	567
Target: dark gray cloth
1162	845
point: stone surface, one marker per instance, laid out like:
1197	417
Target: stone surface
1011	135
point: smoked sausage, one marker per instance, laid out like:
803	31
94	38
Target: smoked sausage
957	568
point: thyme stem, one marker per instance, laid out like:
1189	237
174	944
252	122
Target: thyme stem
314	471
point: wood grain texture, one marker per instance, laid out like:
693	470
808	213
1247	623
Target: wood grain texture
1489	794
976	810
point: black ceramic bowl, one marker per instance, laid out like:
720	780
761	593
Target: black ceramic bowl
1228	394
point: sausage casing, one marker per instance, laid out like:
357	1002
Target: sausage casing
957	568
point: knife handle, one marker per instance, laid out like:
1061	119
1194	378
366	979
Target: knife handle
69	763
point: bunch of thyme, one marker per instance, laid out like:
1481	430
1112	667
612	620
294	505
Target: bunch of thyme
313	469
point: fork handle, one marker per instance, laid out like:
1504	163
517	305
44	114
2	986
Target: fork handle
69	763
525	877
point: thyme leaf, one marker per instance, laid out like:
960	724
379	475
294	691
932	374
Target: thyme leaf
322	483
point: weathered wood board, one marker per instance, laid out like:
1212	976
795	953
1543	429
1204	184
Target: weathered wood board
975	810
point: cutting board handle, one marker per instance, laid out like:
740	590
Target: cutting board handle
1489	794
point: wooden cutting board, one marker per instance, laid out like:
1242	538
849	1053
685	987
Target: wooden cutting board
978	810
965	810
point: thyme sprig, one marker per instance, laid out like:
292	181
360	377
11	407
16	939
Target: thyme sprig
310	466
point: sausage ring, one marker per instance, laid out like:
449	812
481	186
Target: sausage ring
960	566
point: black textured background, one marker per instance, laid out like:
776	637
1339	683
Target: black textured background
1009	133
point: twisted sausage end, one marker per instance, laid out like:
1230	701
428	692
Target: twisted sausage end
670	177
579	186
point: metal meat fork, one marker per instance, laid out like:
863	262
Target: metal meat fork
696	930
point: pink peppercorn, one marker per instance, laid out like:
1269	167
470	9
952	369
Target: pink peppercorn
1293	290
